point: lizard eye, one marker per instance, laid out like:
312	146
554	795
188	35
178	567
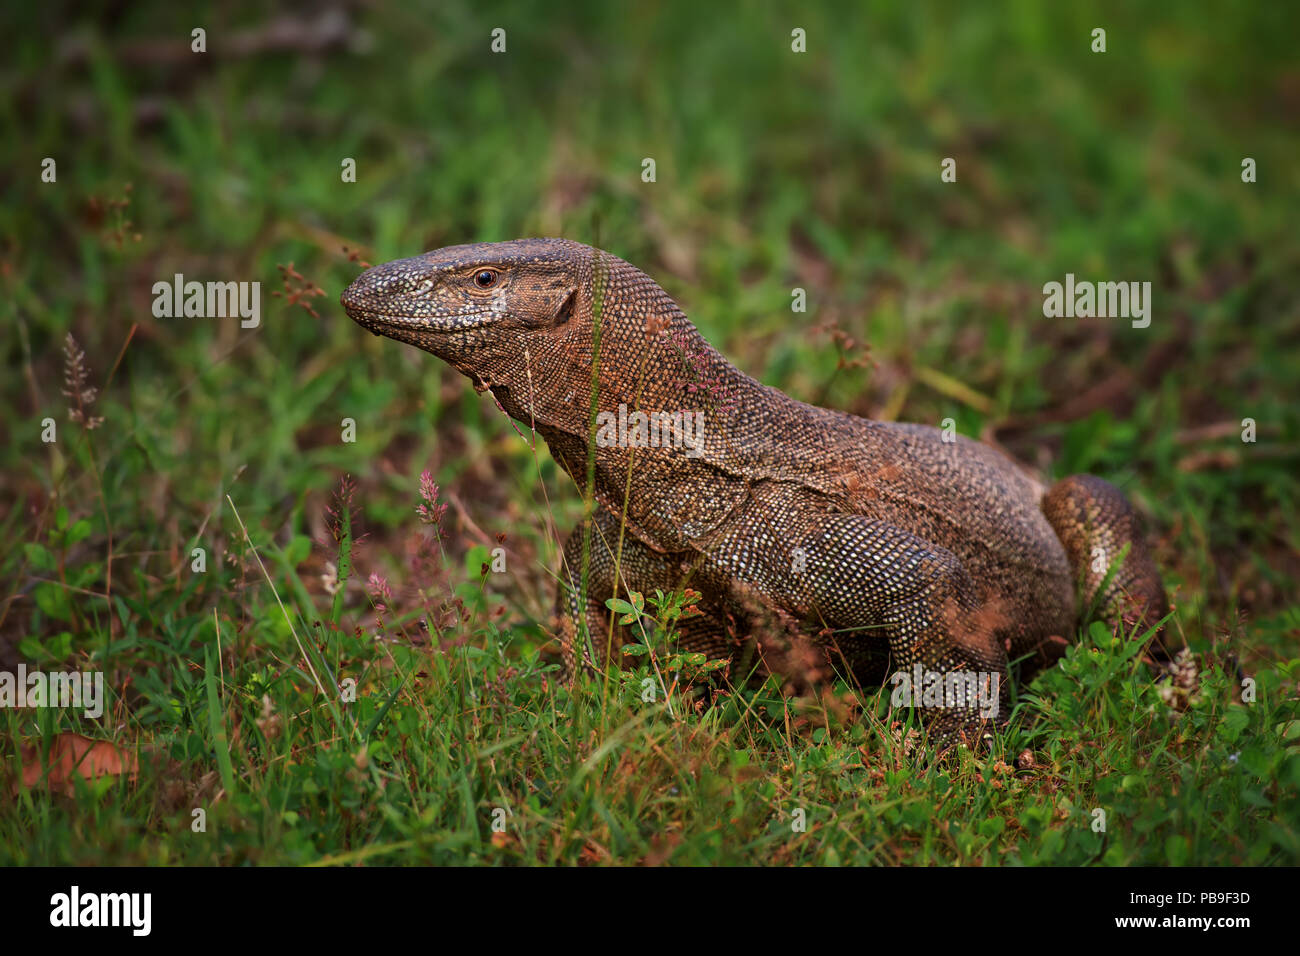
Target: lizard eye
485	278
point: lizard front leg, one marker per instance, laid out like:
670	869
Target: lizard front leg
639	568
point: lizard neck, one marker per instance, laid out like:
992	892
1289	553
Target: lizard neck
672	413
652	359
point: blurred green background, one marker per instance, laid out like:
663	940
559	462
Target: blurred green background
775	170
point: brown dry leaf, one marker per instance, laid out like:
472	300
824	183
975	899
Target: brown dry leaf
504	841
73	755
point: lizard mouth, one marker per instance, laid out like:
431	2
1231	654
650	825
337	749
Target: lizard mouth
376	320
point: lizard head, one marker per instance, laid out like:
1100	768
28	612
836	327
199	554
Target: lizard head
475	306
518	317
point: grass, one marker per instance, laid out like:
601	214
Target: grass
774	171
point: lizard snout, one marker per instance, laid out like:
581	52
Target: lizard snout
378	292
353	297
406	295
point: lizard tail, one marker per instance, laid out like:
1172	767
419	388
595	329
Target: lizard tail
1095	522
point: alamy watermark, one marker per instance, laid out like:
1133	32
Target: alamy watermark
939	689
1103	300
212	300
651	430
83	689
75	908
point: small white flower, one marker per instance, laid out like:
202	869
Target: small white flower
330	579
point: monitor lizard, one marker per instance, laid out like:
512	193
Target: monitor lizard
879	545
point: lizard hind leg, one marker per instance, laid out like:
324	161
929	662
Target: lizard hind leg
877	582
1094	521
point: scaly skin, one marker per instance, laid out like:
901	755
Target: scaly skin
818	539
